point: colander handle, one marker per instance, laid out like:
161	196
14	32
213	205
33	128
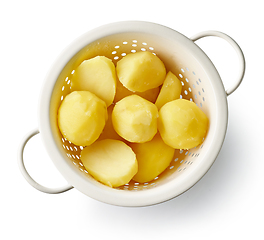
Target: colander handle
25	173
241	58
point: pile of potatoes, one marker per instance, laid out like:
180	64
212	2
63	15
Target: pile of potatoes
129	118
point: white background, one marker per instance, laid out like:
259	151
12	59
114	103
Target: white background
226	204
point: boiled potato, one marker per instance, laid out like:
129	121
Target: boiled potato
110	161
153	158
140	71
81	117
121	92
98	76
170	90
182	124
135	119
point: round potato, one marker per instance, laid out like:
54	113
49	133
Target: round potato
81	117
182	124
140	71
135	119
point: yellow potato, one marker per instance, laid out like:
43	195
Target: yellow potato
81	117
153	158
135	119
98	76
121	92
170	90
140	71
110	161
182	124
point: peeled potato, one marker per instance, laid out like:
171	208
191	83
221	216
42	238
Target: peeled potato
98	76
121	92
140	71
135	119
153	158
81	117
182	124
170	90
110	161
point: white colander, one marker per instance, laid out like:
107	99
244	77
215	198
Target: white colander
201	84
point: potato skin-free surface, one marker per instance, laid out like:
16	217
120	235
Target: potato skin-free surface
81	117
109	161
135	119
141	71
97	75
170	90
182	124
153	158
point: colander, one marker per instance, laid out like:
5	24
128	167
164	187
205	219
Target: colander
201	84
